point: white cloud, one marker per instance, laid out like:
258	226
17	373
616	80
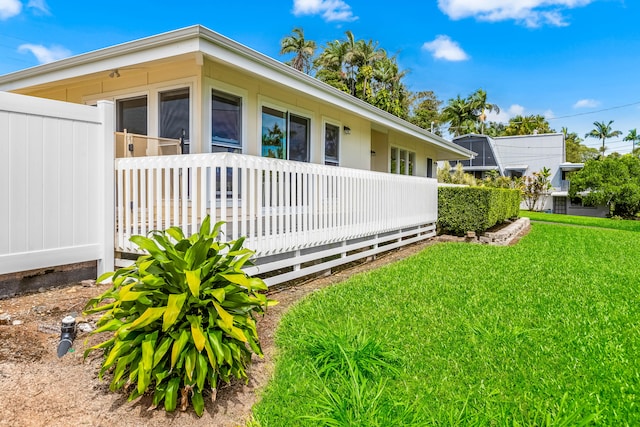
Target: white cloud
504	115
445	48
586	103
44	54
531	13
39	5
549	114
331	10
9	8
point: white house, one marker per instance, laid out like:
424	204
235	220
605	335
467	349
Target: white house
522	155
263	142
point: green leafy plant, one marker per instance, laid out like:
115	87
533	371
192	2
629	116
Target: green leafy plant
182	317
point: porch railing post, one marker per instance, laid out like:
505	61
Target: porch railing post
105	212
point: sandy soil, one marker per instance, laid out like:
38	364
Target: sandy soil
39	389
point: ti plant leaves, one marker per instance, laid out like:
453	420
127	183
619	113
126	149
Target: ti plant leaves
181	318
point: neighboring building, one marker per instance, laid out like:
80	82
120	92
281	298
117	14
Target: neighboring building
219	95
522	155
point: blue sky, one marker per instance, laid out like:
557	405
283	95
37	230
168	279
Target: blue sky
574	61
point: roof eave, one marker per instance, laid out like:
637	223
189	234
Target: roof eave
113	57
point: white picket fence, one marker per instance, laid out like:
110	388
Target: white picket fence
299	218
56	183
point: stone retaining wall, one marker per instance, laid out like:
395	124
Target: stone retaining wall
504	235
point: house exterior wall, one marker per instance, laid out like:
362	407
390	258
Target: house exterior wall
534	151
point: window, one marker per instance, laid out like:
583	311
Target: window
331	144
402	161
174	116
285	135
131	114
299	138
226	122
429	167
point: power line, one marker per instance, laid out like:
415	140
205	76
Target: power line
595	111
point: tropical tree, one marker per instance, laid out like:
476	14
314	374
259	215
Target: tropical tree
364	70
331	64
479	107
528	125
425	111
613	181
535	189
389	93
459	115
634	138
603	131
302	49
494	129
575	151
467	115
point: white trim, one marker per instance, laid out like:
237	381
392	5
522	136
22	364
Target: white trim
408	150
220	86
325	121
152	92
265	101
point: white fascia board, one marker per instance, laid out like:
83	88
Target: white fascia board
119	56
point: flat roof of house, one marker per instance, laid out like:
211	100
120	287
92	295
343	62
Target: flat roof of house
220	48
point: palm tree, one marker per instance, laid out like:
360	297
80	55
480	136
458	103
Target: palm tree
634	138
364	56
459	115
302	49
603	131
480	106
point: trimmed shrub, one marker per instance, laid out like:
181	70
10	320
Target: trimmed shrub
462	209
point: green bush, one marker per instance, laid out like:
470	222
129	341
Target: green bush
462	209
182	317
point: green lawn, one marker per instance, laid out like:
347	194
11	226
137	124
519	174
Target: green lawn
586	221
546	332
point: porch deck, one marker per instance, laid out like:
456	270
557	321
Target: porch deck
299	218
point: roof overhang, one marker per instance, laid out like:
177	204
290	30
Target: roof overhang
198	39
480	168
516	167
568	166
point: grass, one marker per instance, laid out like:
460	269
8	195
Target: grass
546	333
616	224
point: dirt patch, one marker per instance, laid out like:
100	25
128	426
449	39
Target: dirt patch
39	389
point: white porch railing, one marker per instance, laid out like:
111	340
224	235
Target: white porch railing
291	213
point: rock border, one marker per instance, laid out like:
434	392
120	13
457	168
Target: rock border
504	236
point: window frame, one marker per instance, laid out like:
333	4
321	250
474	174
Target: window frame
288	110
327	161
409	161
228	144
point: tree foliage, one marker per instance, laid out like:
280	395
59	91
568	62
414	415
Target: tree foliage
603	131
576	152
425	111
302	49
535	189
613	181
467	115
364	70
528	125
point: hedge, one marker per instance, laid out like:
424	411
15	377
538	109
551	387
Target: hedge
462	209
